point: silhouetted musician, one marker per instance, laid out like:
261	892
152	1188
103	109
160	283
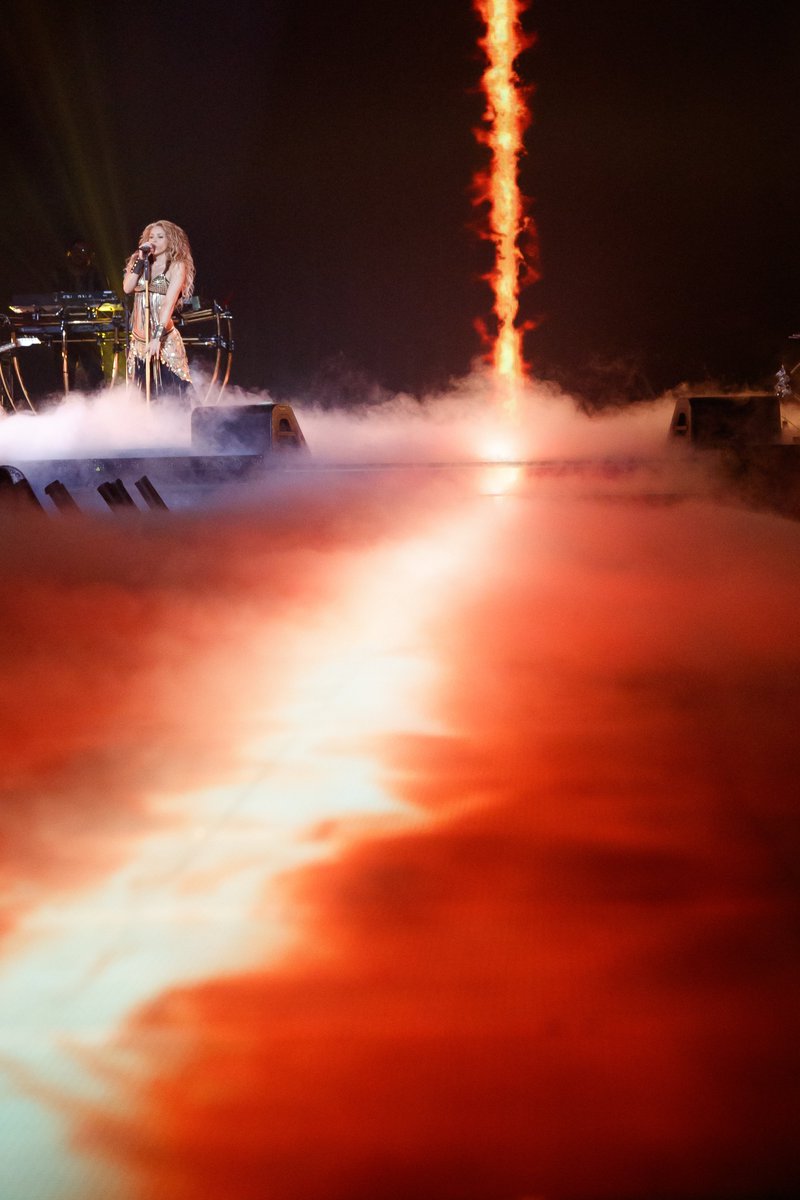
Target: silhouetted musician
79	275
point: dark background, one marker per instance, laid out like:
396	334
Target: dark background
321	157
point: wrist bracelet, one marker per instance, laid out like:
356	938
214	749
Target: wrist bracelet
138	266
158	332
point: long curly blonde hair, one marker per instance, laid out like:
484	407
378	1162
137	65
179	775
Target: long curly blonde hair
178	250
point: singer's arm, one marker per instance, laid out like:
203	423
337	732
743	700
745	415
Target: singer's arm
133	274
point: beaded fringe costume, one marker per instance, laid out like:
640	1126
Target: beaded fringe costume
171	369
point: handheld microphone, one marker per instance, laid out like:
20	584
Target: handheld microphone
147	247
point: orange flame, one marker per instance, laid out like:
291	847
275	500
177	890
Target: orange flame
506	119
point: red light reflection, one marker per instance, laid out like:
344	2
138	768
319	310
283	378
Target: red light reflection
490	892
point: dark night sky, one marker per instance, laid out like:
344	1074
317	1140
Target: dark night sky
320	158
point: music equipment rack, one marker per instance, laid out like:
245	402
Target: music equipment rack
64	318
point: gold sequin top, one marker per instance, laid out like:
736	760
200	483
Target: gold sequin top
173	351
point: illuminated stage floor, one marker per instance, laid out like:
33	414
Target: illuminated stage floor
405	841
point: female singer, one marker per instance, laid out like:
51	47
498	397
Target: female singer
165	248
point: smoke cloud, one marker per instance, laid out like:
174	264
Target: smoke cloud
108	422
